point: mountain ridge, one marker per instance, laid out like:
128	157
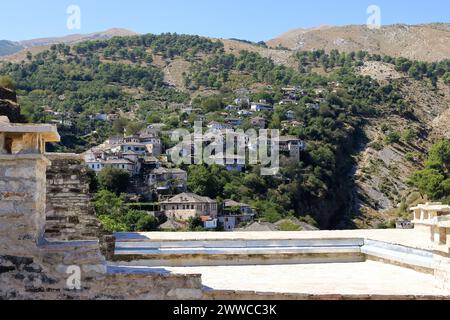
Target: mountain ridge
15	47
423	42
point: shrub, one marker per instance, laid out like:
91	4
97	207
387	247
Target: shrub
114	180
288	225
7	82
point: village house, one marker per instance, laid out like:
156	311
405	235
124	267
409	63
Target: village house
123	164
214	125
232	108
189	205
260	106
163	179
293	145
288	102
245	113
153	144
137	147
101	117
293	93
95	164
235	122
313	106
287	124
128	153
290	115
150	163
234	214
258	122
242	101
209	223
190	110
131	155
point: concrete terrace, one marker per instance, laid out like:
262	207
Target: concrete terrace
325	279
354	264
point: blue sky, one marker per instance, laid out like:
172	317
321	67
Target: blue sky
245	19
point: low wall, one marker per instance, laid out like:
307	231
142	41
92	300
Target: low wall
47	277
216	252
237	252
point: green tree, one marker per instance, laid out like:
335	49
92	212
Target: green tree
439	157
7	82
434	180
114	180
107	203
201	181
120	125
133	128
393	137
196	224
212	104
139	221
93	180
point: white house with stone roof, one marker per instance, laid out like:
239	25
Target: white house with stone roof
189	205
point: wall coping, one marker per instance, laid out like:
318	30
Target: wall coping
64	156
16	157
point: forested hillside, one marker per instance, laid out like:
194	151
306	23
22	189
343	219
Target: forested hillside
343	113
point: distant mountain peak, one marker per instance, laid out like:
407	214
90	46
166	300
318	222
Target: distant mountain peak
12	47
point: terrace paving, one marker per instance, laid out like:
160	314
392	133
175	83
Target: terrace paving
344	279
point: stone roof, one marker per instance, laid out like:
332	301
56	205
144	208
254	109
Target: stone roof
166	170
150	159
188	198
171	225
119	161
261	226
131	153
232	203
289	138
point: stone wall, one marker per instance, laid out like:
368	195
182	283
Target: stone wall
45	276
31	267
22	203
70	215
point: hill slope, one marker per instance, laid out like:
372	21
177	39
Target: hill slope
367	122
19	48
429	42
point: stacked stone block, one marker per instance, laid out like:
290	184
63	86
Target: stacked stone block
70	214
